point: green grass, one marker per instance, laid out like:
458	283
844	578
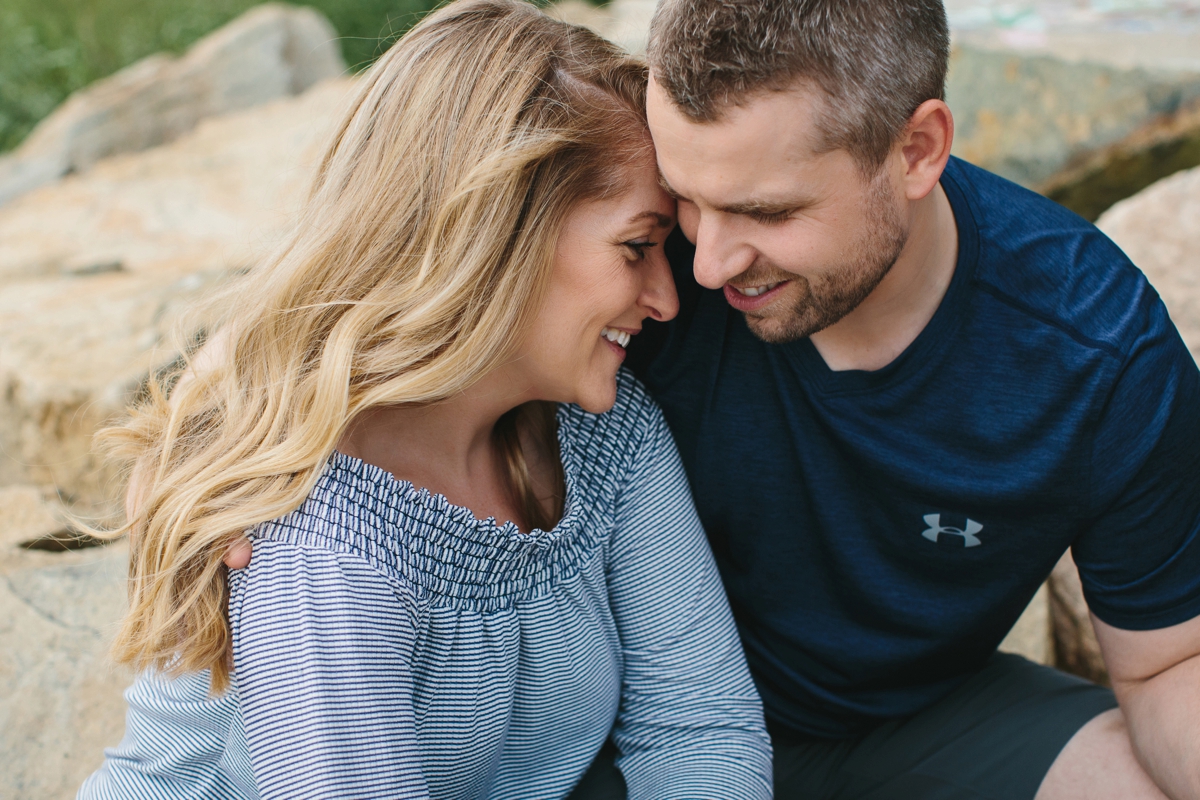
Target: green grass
50	48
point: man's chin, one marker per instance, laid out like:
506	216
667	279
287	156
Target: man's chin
779	329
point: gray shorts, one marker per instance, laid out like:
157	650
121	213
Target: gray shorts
993	738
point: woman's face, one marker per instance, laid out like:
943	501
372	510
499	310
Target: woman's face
609	275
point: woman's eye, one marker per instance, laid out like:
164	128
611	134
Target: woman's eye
638	249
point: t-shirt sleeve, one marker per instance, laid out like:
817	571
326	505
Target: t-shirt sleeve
322	648
690	723
1139	561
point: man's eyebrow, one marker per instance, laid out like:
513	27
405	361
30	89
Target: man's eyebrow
666	187
660	220
761	207
765	207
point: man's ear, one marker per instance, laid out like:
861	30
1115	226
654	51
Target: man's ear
925	146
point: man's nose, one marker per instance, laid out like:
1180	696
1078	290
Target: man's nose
720	254
658	297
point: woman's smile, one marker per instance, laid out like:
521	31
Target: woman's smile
609	275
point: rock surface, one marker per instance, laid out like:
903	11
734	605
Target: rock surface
271	51
1158	149
1033	635
1159	229
1076	649
1026	117
1150	34
25	516
96	271
60	694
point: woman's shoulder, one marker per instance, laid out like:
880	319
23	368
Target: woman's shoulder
349	517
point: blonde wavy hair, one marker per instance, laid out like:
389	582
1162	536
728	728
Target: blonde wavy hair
422	254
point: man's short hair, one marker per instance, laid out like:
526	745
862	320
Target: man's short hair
875	61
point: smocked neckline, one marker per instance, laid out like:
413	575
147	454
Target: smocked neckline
442	551
407	493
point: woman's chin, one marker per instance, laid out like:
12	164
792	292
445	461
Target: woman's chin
599	396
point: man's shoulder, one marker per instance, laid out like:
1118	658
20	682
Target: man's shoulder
1050	265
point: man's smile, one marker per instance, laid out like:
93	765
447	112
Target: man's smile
752	298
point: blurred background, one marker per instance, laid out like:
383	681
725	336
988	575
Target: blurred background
150	149
50	48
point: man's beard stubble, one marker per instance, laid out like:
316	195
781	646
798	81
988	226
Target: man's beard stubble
832	296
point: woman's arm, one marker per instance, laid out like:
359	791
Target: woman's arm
690	723
322	647
176	734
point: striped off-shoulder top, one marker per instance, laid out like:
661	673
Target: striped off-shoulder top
389	644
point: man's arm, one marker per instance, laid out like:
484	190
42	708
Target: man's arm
1156	677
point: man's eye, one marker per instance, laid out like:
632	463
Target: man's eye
773	218
638	249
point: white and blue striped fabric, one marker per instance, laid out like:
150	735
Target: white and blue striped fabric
390	644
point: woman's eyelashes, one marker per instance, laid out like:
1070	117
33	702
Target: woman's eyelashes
638	248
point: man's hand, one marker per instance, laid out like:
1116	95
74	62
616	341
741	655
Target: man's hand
1156	677
238	554
236	557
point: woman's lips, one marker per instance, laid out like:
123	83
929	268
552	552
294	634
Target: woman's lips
743	302
617	338
616	348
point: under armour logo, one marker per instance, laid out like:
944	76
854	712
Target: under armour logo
936	529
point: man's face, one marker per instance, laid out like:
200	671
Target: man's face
796	239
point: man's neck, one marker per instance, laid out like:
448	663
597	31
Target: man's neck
875	333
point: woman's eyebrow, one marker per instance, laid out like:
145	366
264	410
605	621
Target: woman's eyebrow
660	220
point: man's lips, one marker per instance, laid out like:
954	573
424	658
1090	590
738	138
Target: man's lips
745	302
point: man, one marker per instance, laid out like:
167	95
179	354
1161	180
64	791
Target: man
902	387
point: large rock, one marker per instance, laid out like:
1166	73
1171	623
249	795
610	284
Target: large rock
96	272
1037	86
271	51
1159	229
60	694
1158	149
1076	649
25	517
1033	636
1150	34
1026	117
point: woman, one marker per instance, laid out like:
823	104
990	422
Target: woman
474	548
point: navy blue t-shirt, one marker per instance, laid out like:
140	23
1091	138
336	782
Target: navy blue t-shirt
879	532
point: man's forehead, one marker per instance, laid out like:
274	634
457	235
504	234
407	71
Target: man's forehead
758	151
780	125
800	105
